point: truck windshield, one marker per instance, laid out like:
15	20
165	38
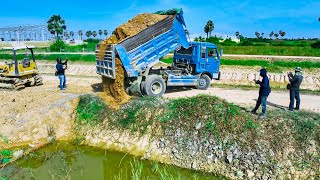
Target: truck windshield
185	51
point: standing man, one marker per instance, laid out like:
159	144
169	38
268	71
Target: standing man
60	71
295	82
264	92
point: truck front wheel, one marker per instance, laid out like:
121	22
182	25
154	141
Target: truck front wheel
203	82
154	86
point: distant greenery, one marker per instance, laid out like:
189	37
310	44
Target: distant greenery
272	50
53	57
265	46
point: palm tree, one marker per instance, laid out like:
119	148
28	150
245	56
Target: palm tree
282	33
238	34
211	27
65	34
80	33
100	33
71	34
257	34
262	34
276	35
201	39
206	29
56	25
105	33
271	34
88	34
94	34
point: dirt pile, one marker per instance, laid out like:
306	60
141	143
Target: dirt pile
114	90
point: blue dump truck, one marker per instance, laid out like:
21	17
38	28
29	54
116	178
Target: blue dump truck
194	63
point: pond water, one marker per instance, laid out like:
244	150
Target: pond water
67	161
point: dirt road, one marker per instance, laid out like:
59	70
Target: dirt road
247	98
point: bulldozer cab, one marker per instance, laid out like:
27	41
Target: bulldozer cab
21	66
22	71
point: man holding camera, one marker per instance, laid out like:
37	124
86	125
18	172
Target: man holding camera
60	72
294	87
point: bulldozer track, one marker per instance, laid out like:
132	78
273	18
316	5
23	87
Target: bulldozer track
17	84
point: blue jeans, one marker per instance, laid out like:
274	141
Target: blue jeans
63	81
294	94
262	100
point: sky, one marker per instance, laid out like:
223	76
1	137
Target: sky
298	18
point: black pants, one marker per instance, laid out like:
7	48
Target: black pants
294	94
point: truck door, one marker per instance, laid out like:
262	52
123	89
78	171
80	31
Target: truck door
213	61
203	57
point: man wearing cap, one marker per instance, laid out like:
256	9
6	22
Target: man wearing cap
61	67
295	82
264	92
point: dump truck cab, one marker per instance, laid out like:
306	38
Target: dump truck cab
201	57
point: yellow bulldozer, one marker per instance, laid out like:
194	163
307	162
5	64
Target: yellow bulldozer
18	74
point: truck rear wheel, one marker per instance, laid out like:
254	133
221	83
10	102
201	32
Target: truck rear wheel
154	86
203	82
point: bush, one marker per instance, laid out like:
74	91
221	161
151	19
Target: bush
91	109
57	46
246	42
91	40
228	42
316	45
214	40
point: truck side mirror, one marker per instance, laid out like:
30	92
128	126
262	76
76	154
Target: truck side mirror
221	52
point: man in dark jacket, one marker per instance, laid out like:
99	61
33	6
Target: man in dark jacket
263	93
295	82
60	68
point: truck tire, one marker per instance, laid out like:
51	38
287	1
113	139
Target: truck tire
154	86
203	82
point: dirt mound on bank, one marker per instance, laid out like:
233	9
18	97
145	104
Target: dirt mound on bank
114	90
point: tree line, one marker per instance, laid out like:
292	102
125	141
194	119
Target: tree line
57	26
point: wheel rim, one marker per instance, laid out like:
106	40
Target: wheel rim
156	88
202	82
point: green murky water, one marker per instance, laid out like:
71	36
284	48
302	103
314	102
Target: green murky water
66	161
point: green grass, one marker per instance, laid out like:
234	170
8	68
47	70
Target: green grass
305	125
53	57
91	109
272	50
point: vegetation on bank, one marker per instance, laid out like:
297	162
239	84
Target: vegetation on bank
211	116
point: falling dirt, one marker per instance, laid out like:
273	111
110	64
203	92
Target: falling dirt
114	89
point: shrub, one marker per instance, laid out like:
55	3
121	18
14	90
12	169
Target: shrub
316	45
91	40
57	46
91	109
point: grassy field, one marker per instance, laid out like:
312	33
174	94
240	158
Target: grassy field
272	50
53	57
